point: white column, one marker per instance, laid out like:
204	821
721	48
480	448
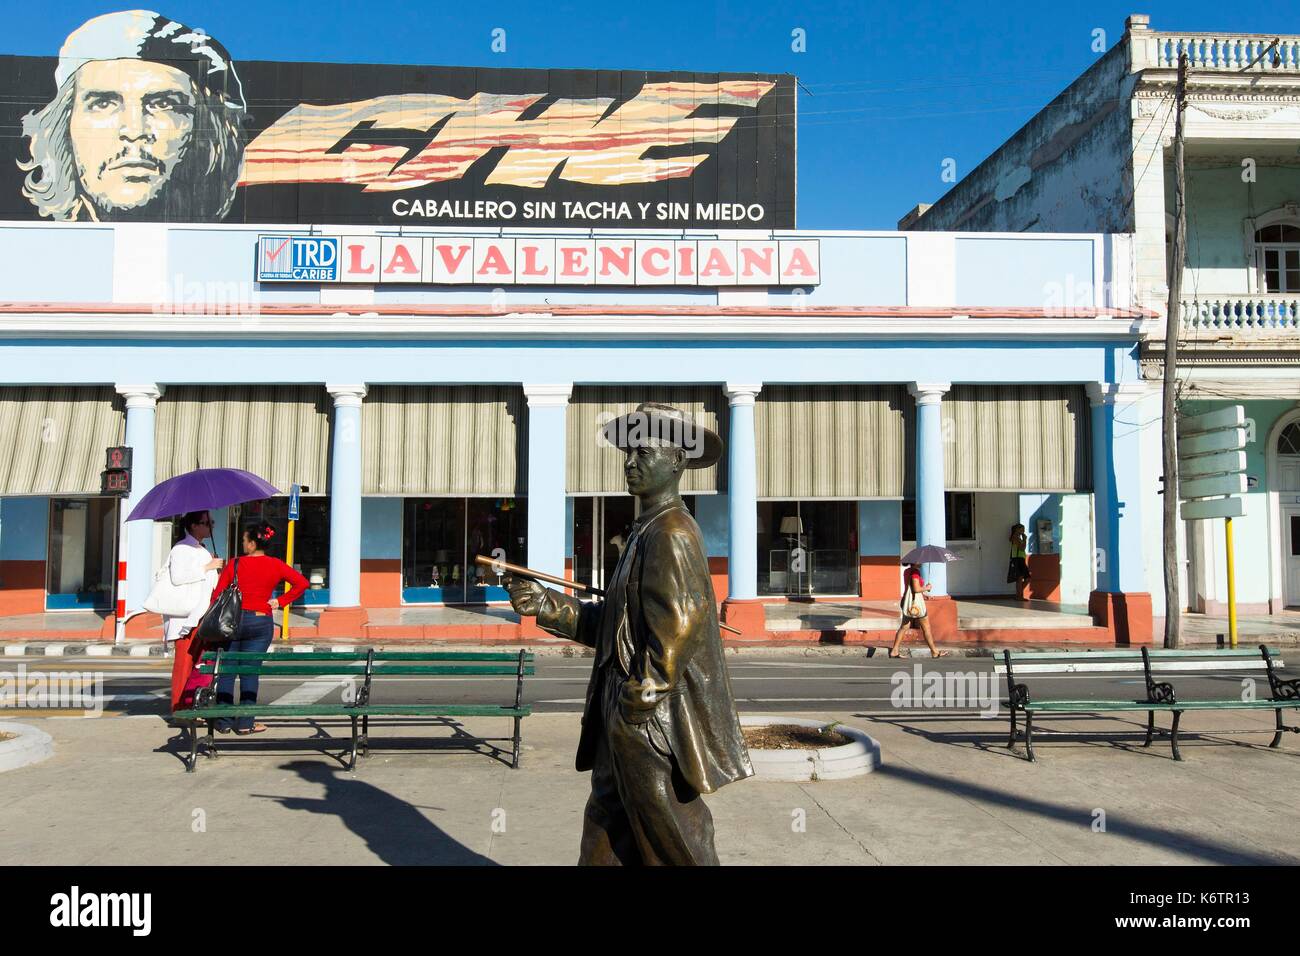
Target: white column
547	455
742	494
345	496
931	521
135	546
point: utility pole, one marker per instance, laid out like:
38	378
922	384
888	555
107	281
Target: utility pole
1173	604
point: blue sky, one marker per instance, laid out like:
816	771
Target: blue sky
894	89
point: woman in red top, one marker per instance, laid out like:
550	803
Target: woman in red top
260	576
914	613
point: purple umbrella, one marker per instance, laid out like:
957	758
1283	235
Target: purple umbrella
201	490
929	554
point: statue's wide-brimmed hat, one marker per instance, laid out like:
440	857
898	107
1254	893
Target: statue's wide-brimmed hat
657	425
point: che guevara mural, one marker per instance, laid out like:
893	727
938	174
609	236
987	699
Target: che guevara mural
142	117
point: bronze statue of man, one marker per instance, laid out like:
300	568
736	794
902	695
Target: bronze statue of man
660	725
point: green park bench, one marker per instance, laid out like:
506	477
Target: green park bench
1160	696
363	667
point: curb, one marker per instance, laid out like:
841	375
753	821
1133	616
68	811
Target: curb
859	757
27	747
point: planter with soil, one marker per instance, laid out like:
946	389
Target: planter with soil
794	748
21	744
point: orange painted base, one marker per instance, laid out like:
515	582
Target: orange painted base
718	575
381	582
942	612
1044	578
748	617
142	625
22	587
340	622
880	577
1127	616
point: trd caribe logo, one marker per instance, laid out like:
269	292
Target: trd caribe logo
298	258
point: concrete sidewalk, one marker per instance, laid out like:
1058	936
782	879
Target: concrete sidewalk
948	792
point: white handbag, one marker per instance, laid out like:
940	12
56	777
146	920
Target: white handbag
172	600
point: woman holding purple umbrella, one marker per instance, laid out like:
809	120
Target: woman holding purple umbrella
189	564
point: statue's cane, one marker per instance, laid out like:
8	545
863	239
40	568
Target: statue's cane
503	567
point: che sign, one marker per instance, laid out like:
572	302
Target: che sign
494	261
295	498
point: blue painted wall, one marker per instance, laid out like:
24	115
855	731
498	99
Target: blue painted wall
1057	270
24	528
381	528
880	524
57	265
711	514
199	361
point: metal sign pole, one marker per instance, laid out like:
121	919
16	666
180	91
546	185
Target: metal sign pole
1232	586
295	492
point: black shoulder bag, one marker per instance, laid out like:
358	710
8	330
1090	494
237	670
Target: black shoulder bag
220	623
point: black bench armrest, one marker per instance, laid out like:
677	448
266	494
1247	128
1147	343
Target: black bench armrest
1279	688
1017	694
1157	692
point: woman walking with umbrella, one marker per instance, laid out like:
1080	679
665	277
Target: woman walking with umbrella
912	603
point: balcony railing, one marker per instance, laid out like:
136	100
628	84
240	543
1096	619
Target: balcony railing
1248	314
1229	53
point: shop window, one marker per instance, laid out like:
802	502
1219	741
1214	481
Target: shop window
1277	251
80	568
808	548
441	537
311	539
958	517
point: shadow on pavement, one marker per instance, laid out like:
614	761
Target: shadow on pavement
394	830
1207	850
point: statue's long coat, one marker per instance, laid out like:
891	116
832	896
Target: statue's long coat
659	620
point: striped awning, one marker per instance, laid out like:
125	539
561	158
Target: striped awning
830	441
1017	438
595	468
444	440
279	432
54	438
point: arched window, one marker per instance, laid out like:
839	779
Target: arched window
1277	257
1288	443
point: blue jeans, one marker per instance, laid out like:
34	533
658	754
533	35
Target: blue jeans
254	636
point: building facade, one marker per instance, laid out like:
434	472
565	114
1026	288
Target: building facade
932	387
1100	157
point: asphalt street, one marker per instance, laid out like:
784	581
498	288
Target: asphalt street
762	684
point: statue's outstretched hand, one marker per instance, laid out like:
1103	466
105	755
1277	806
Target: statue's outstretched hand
525	596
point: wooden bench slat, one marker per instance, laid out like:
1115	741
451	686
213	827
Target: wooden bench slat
340	710
324	670
1155	653
379	656
1120	667
1087	705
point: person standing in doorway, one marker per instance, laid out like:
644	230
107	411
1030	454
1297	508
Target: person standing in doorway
1018	570
914	611
260	577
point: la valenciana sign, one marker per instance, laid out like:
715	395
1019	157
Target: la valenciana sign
483	260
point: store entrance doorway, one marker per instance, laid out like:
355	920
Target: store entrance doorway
601	527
